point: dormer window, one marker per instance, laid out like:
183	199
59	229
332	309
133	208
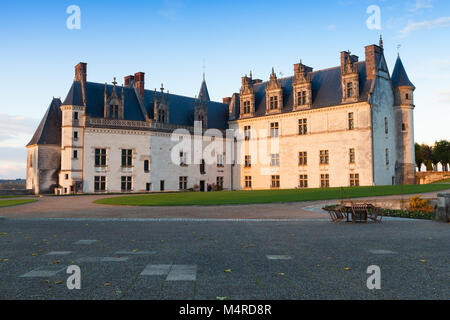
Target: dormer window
114	111
247	107
350	90
273	103
301	98
162	116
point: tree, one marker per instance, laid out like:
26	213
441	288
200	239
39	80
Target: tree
427	152
441	153
419	155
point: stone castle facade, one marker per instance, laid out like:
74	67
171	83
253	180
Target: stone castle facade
351	125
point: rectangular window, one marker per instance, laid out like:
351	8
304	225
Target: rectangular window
350	90
100	157
75	154
351	121
183	159
386	125
275	182
148	186
302	158
247	132
100	184
303	182
220	160
114	112
248	161
324	180
301	98
66	176
324	159
183	183
352	158
219	183
403	126
387	157
273	103
75	116
248	181
161	185
75	135
354	180
146	165
274	130
126	183
247	107
127	158
302	126
275	159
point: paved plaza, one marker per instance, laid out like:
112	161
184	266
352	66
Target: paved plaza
217	259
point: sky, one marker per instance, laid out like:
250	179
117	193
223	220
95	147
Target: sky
175	41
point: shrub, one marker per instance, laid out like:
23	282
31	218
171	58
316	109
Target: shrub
418	204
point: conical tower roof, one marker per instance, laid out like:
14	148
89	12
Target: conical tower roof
49	130
399	75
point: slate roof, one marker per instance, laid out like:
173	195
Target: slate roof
399	75
181	107
49	130
326	89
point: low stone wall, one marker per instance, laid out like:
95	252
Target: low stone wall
21	192
431	176
443	207
393	204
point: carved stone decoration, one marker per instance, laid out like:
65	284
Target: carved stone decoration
349	77
247	97
161	107
302	88
201	111
113	105
274	94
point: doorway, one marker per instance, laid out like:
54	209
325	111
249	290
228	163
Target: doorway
202	186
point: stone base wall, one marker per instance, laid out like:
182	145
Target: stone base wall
431	176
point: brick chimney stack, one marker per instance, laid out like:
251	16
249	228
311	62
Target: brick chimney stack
373	58
81	72
128	80
226	100
139	79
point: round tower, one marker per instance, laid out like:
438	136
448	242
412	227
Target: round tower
404	122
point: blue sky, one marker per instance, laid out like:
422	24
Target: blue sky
171	40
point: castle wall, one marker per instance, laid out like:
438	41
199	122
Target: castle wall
327	130
43	166
156	147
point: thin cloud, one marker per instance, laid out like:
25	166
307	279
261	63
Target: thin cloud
421	4
424	25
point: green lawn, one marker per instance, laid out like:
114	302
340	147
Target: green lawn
264	196
9	203
442	181
8	197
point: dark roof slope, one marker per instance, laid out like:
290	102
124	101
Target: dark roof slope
204	91
49	130
326	89
399	76
181	107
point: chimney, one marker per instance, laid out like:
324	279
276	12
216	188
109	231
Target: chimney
139	81
226	100
81	72
128	80
373	58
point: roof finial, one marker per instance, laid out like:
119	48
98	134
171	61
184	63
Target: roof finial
250	74
398	49
381	41
204	69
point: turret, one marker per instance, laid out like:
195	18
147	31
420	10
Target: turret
404	120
